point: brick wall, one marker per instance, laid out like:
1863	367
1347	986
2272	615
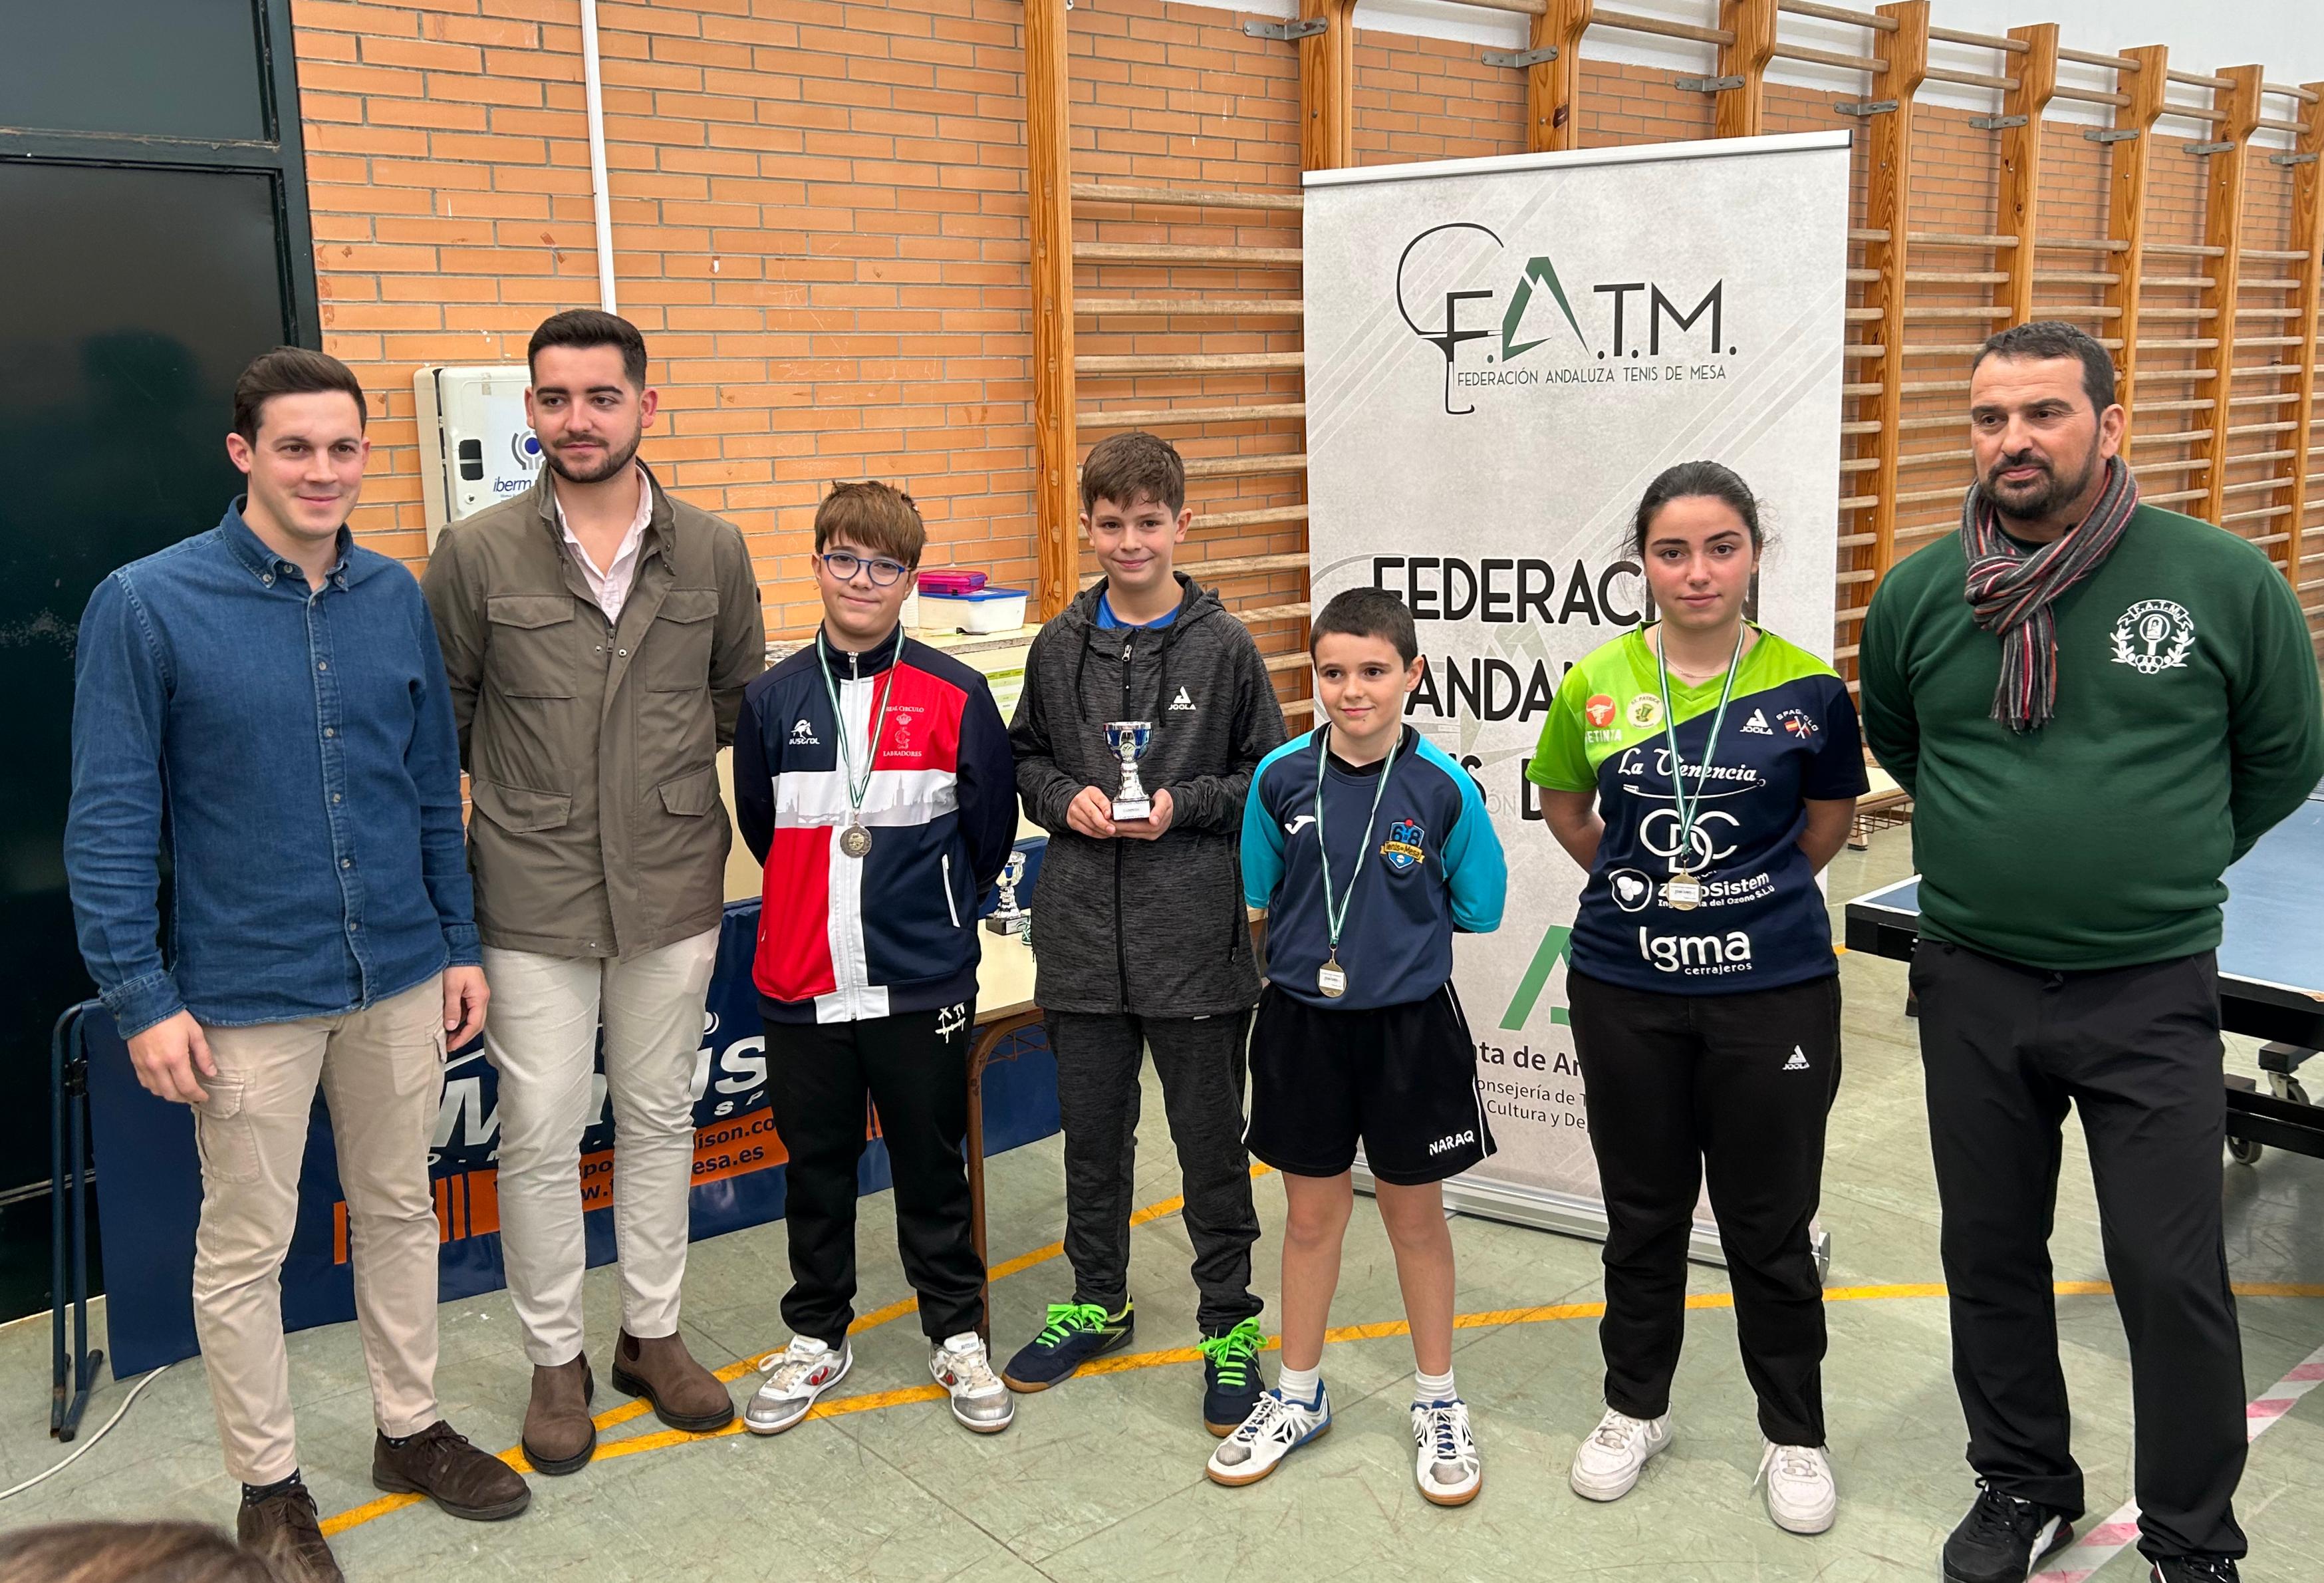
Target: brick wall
820	224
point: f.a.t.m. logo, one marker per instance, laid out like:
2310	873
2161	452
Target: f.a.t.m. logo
1452	316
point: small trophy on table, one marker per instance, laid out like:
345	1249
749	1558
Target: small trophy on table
1128	740
1007	917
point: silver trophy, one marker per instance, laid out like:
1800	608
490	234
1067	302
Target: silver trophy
1007	917
1128	740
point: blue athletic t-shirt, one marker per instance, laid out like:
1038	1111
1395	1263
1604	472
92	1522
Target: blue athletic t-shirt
1108	621
1435	865
1790	736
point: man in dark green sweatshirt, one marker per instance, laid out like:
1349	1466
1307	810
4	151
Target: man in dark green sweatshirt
2096	706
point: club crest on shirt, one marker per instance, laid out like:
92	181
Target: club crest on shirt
1599	711
1798	722
2153	635
1644	712
1402	850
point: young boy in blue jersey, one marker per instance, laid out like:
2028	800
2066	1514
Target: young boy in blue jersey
1370	849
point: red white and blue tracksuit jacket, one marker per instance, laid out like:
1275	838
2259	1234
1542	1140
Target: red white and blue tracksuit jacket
844	939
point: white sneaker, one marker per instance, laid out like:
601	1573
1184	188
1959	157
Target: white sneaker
796	1377
1608	1462
1271	1432
1802	1497
1446	1466
978	1400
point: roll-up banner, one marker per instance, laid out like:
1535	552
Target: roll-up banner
1501	355
150	1187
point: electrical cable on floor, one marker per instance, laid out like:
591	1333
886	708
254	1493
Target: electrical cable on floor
134	1392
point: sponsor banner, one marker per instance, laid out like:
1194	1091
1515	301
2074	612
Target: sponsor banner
148	1175
1501	355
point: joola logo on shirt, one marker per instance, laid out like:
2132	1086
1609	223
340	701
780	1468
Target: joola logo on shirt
1182	701
1402	850
1697	953
803	734
1756	726
1443	1144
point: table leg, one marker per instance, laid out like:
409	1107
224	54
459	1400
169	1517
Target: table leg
988	1040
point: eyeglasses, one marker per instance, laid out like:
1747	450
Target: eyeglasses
843	565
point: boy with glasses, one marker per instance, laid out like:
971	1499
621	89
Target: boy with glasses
873	782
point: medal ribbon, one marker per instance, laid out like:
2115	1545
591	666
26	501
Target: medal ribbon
1687	807
857	788
1335	917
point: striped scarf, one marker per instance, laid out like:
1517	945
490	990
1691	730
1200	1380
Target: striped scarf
2010	592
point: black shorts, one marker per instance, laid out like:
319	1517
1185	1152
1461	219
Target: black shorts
1400	1080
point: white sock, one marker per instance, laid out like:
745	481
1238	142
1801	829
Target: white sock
1429	1389
1304	1386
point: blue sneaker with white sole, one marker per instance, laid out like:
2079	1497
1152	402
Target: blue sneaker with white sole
1231	1378
1074	1333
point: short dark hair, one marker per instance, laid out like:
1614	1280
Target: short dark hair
2041	339
290	371
873	516
1132	466
1367	612
589	326
1712	479
150	1553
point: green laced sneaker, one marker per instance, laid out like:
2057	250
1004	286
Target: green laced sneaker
1231	1379
1075	1333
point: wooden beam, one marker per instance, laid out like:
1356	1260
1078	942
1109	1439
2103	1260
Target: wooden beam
2018	207
2129	162
1888	210
1048	186
1553	88
1741	112
2238	104
1327	86
2307	234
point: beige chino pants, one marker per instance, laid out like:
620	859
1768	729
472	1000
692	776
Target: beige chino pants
382	1073
542	1039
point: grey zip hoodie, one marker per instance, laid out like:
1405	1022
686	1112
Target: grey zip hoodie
1155	928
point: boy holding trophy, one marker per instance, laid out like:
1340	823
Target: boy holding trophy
1145	708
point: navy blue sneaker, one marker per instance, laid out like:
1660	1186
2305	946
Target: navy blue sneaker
1075	1333
1231	1381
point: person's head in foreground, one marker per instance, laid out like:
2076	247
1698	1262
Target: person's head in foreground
129	1552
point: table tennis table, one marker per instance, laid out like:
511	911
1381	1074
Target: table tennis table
2271	974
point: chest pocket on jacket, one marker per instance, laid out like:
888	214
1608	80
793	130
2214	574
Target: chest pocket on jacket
677	644
532	647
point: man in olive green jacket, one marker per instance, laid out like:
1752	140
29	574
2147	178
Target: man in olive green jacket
597	635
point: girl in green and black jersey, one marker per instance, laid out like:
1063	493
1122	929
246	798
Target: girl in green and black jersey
1702	770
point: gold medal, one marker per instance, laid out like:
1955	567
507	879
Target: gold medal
1682	890
855	841
1330	979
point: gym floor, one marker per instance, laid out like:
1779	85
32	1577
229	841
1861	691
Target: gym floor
1103	1478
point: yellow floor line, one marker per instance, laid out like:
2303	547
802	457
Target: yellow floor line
1489	1319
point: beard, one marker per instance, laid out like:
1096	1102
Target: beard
617	458
2046	496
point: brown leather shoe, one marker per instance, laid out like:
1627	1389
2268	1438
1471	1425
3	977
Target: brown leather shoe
683	1395
442	1466
285	1532
558	1437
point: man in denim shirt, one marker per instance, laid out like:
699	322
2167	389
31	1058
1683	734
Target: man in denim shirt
268	702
